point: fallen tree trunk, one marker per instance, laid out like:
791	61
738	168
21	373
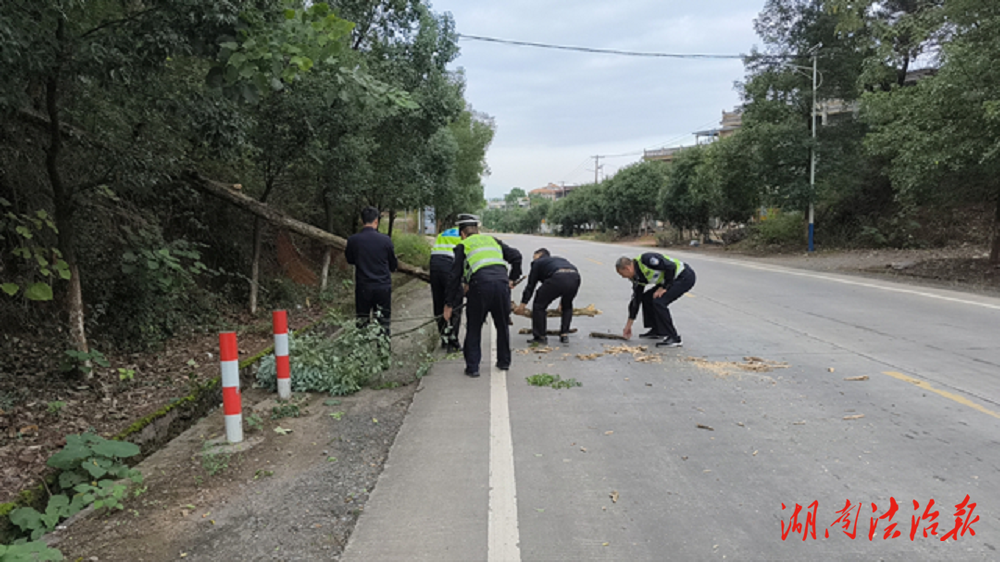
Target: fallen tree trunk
227	193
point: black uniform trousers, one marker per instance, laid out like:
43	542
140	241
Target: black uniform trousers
374	299
493	298
562	286
655	314
439	292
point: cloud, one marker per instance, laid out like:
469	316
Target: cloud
553	109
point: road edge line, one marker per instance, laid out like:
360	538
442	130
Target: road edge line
502	533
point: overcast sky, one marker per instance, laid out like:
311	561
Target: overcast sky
554	110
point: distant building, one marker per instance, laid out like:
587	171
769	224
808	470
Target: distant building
496	204
662	154
552	192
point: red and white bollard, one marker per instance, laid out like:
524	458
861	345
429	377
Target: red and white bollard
281	361
231	403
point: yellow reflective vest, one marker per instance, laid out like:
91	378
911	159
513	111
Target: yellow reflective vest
481	251
655	276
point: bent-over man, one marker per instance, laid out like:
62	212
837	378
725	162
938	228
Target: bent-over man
442	258
670	278
560	280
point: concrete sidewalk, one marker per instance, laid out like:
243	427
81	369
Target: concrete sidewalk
431	500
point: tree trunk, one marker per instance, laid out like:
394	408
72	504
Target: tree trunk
258	236
328	254
277	218
392	221
62	195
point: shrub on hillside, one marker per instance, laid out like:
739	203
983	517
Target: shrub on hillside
413	249
339	365
783	229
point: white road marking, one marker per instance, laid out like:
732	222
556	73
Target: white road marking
788	271
502	535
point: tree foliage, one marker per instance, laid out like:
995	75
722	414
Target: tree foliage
319	109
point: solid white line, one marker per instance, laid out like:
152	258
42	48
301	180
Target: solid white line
502	535
778	268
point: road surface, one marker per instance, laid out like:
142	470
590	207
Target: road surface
624	467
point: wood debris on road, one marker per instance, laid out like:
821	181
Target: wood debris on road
725	368
854	417
607	336
527	332
528	350
861	378
589	310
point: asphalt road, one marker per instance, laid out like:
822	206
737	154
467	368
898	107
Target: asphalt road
619	469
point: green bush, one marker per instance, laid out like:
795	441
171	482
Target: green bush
91	467
413	249
666	238
24	551
785	229
340	366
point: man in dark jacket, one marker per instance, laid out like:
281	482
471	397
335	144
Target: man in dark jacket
481	262
560	280
374	259
670	279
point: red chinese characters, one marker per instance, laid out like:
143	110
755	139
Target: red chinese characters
923	520
794	525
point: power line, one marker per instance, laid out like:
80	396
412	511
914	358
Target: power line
614	51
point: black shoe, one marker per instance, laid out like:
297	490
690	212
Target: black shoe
453	348
670	341
472	374
564	339
538	341
651	335
503	367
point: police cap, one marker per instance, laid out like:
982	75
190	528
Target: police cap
466	219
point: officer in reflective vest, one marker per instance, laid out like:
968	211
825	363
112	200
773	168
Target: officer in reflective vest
481	262
442	258
670	278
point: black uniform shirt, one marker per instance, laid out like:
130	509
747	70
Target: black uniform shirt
373	257
541	270
441	263
652	260
488	273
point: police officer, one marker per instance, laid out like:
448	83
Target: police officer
442	258
670	278
481	261
374	259
560	279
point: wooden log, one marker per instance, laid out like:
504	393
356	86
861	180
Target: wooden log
227	193
607	336
590	310
527	332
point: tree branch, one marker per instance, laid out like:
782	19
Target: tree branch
227	193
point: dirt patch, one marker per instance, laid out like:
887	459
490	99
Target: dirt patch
35	418
294	496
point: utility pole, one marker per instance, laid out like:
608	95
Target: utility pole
812	156
597	167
